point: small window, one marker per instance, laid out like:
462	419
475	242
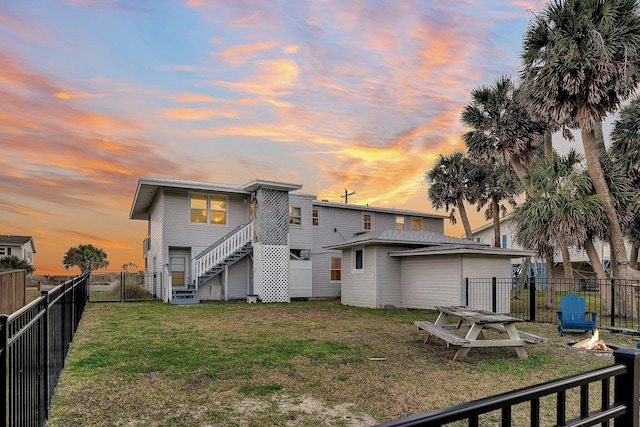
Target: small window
367	221
218	210
198	207
478	239
336	269
416	224
295	216
399	222
3	251
358	259
504	241
315	215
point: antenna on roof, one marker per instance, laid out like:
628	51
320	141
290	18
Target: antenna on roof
346	195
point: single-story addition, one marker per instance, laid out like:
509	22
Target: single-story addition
420	269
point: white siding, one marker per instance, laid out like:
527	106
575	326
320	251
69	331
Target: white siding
430	280
300	236
389	292
359	288
486	267
300	278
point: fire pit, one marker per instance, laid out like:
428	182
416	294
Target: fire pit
593	344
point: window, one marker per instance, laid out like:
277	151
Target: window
315	216
205	209
336	269
399	222
504	241
295	216
5	251
358	259
367	221
416	224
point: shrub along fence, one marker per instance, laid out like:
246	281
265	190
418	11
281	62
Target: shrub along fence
616	302
34	342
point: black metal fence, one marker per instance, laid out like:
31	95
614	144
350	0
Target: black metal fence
620	406
120	287
616	302
34	342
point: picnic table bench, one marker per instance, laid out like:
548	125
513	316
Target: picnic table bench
478	320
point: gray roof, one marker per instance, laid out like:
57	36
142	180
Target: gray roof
9	240
406	238
463	249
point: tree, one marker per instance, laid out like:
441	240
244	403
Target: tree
625	150
560	211
496	183
86	257
12	262
500	127
580	61
451	183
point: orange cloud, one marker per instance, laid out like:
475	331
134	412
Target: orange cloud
273	77
198	113
195	97
241	53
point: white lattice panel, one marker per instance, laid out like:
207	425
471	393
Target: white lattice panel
275	273
272	215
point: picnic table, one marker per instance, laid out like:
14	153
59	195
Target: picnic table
478	320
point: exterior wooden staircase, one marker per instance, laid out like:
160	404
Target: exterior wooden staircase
214	260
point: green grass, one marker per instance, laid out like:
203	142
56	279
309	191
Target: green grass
298	364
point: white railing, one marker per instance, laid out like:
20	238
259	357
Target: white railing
221	250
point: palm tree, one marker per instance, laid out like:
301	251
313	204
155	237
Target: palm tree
625	150
559	212
580	61
496	183
451	182
500	128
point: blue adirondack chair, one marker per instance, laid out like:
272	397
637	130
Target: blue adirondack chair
573	316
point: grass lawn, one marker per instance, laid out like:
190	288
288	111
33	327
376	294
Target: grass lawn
299	364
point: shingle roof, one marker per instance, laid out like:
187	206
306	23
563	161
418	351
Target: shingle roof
405	237
6	239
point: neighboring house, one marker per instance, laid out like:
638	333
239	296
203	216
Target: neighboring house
579	259
210	241
420	269
19	246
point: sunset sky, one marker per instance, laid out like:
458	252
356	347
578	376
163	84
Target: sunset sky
330	94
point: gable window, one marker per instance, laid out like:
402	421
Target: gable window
399	222
295	216
315	217
367	221
358	259
416	224
336	269
207	209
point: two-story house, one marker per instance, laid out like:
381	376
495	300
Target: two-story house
22	247
266	240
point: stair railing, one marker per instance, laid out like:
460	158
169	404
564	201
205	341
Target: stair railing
217	253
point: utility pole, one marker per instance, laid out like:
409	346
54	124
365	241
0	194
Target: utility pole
346	195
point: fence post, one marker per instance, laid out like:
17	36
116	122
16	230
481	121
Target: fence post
122	279
494	294
613	303
532	299
4	344
44	370
466	291
627	386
